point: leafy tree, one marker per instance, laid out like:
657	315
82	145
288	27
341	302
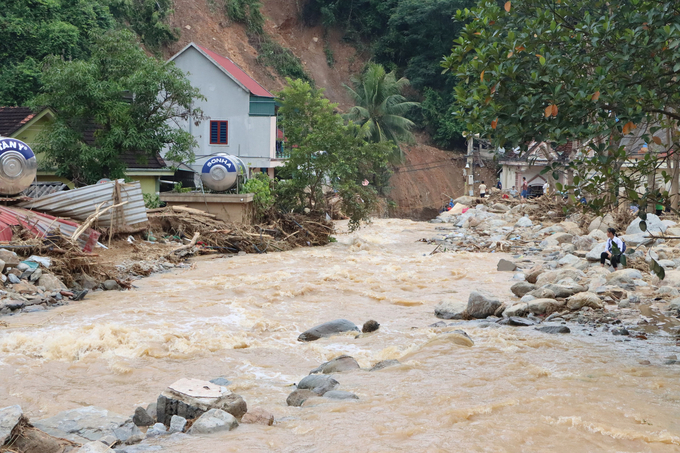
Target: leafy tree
147	19
325	154
380	106
120	101
576	70
33	29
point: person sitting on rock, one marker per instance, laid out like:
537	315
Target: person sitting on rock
609	253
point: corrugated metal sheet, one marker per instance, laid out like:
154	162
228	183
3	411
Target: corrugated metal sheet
43	225
80	203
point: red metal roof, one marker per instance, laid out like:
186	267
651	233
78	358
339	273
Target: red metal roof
238	73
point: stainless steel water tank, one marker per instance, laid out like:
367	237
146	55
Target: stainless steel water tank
18	166
221	172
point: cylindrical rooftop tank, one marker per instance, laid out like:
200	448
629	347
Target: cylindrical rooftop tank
18	166
221	172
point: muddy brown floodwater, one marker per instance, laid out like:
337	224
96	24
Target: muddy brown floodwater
515	390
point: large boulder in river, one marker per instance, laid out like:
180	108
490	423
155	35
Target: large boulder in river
602	223
524	222
328	329
624	278
482	304
337	365
319	384
213	421
451	309
596	251
521	288
584	242
518	309
584	299
562	238
190	398
654	225
91	423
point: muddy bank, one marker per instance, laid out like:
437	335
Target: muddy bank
515	389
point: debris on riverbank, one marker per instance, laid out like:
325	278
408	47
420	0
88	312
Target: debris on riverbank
556	264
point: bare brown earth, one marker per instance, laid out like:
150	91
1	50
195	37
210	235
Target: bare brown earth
429	176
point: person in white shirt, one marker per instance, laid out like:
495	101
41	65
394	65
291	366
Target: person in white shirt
546	188
482	190
609	253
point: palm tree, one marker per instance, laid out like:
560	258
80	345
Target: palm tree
380	107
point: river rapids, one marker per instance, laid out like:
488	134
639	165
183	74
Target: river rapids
515	390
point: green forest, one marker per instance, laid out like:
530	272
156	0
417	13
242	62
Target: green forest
407	36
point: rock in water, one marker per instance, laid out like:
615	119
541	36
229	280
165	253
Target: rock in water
505	265
370	326
520	322
554	329
190	398
482	304
299	396
142	417
177	424
524	222
337	365
533	273
319	384
9	417
91	423
213	421
340	395
328	329
384	364
258	416
451	309
522	288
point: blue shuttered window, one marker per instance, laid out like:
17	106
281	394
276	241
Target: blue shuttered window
219	132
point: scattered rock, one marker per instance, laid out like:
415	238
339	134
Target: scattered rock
9	258
654	225
384	364
142	417
299	396
93	447
319	384
554	329
221	381
482	304
91	423
620	331
524	222
506	266
9	417
337	365
213	421
562	291
157	430
584	299
51	283
543	306
542	293
451	309
533	273
340	395
520	322
111	285
516	310
596	251
177	424
190	398
258	416
328	329
522	288
370	326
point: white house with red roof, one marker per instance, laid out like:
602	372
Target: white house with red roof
240	113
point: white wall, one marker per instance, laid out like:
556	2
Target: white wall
253	138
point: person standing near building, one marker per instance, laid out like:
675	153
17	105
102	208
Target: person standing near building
546	188
499	186
482	190
525	188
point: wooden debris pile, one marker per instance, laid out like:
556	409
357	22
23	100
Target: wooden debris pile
210	234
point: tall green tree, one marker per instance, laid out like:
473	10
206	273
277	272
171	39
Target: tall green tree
118	102
33	29
380	107
326	154
147	18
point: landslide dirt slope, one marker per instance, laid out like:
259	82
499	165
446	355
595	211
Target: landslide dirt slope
205	22
428	176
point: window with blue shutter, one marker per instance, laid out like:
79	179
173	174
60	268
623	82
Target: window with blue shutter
219	132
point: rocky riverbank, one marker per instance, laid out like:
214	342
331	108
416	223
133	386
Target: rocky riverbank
559	277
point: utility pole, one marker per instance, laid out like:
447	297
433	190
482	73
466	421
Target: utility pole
469	173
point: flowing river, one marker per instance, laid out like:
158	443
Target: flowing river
515	390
